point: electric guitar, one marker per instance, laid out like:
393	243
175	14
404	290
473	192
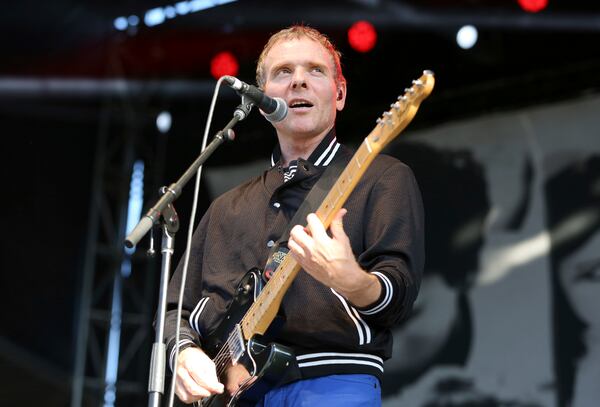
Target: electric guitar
253	309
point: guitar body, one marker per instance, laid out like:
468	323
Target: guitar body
266	362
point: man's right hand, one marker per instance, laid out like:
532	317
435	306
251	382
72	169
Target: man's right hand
196	376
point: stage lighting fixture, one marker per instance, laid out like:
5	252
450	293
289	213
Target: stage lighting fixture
533	6
466	37
133	20
159	15
163	122
362	36
121	23
224	63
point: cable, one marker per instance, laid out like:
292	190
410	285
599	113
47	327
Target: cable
189	242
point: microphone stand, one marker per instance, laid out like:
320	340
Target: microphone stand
163	213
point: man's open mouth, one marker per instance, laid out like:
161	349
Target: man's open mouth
299	103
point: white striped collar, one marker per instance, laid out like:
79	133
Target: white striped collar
321	156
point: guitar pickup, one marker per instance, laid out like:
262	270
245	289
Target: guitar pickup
237	345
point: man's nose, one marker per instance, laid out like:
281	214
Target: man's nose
299	79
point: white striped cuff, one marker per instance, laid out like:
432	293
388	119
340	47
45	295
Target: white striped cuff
182	342
386	298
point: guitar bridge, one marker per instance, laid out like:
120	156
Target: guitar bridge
237	346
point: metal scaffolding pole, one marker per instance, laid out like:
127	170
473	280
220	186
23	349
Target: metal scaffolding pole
116	304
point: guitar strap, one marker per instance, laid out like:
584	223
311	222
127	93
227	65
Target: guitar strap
311	203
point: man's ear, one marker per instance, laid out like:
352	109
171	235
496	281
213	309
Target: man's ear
341	96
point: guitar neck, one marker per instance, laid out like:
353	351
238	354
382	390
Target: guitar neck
263	310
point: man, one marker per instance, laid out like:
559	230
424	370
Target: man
356	282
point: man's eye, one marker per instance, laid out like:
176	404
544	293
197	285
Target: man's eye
318	69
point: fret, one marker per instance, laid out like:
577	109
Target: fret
363	156
348	176
367	144
357	161
340	189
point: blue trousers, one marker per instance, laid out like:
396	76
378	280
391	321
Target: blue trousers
347	390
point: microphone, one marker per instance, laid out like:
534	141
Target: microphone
275	108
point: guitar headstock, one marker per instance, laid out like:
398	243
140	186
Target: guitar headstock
392	122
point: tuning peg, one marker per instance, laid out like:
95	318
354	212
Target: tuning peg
418	83
402	98
385	120
409	90
395	106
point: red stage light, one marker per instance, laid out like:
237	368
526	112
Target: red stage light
533	6
362	36
224	63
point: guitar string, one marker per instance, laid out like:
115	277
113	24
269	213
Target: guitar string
224	354
278	275
223	357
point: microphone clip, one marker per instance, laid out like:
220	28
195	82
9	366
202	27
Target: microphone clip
243	109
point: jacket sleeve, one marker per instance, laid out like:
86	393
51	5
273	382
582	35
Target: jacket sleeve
191	295
394	244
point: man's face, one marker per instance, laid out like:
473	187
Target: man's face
302	73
